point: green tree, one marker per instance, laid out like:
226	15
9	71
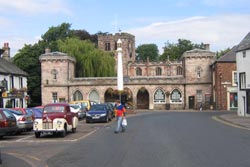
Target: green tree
175	51
147	51
90	61
28	60
222	52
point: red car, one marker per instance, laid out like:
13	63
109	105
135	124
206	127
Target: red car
7	123
56	118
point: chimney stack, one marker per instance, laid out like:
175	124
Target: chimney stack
207	47
6	53
47	50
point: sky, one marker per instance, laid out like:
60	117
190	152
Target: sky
220	23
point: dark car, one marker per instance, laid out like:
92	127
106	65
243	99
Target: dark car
98	113
37	112
7	123
111	107
24	121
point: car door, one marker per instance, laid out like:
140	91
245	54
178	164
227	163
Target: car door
69	115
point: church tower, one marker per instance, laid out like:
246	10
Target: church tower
108	42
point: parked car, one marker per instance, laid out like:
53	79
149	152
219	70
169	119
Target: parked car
24	122
7	123
25	111
78	108
85	104
111	107
37	112
56	118
98	113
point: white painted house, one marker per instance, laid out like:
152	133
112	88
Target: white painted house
243	73
13	82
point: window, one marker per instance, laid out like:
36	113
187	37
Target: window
242	80
107	46
21	82
54	97
62	100
138	71
233	100
158	71
199	96
179	70
77	96
54	74
244	54
198	72
11	79
234	78
159	96
94	95
176	96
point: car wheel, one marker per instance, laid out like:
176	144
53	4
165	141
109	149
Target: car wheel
38	134
73	130
63	133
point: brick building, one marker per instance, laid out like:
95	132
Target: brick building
225	82
184	84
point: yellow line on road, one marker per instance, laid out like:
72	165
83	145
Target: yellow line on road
24	156
229	123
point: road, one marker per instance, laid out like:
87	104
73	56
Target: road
160	139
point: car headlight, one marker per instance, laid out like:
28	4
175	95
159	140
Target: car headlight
59	122
87	114
102	115
35	123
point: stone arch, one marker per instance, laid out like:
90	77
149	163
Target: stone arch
94	96
77	95
142	98
127	97
111	95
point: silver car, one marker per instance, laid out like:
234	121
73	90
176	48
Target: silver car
24	122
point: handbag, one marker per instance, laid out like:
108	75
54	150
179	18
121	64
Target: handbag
124	122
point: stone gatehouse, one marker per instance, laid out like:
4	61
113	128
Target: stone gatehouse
184	84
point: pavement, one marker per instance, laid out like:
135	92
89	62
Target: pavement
233	119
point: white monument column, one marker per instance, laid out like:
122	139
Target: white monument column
119	67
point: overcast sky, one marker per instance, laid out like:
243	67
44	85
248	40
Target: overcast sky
221	23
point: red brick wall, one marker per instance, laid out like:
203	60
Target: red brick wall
223	74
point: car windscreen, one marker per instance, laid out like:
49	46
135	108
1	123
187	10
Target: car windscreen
97	107
14	112
49	109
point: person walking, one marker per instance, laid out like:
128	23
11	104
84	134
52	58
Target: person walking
120	115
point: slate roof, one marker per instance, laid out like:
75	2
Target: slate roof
245	43
230	56
7	67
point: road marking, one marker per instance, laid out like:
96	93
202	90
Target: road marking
229	123
25	138
26	158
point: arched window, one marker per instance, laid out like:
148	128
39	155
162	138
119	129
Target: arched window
94	96
138	71
179	70
176	96
159	96
77	96
198	72
158	71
